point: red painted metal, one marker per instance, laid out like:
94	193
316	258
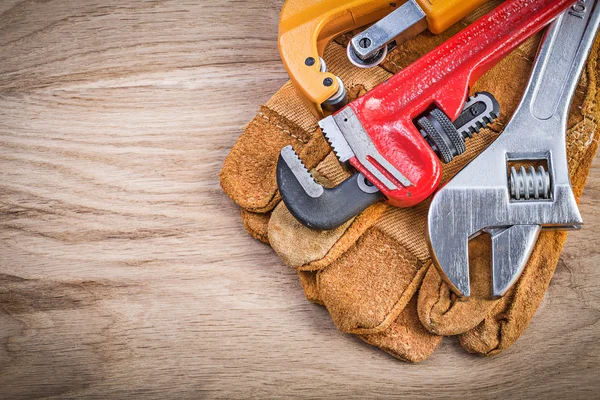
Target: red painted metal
442	78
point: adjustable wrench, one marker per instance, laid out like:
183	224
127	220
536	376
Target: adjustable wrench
307	26
520	184
377	133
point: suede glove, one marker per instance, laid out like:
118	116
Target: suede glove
368	272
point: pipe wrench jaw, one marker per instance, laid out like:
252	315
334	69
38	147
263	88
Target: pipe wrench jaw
315	206
514	203
377	179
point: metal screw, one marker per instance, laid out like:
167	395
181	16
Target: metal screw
328	82
309	61
579	7
365	43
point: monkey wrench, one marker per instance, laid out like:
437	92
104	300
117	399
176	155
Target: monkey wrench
520	184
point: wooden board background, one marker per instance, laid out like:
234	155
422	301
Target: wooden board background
125	271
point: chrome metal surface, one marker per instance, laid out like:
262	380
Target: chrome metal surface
407	21
361	145
492	111
511	249
312	188
323	66
529	184
365	185
336	139
373	61
478	199
447	138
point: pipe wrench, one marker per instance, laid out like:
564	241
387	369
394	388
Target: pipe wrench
307	26
520	184
394	134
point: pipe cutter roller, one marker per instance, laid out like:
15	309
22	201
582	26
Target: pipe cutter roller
520	184
307	26
394	134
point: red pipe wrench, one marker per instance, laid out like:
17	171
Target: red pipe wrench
394	134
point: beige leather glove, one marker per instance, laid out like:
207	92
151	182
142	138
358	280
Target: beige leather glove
367	273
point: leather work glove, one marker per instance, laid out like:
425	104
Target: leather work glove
369	271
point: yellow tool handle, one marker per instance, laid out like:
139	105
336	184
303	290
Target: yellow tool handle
442	14
307	26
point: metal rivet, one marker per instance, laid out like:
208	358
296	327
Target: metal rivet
328	82
309	61
365	43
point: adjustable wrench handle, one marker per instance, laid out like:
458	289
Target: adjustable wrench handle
559	65
442	79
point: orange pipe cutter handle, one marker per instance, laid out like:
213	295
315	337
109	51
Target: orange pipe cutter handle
307	26
442	14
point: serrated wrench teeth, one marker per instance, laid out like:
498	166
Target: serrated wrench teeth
318	207
304	178
336	139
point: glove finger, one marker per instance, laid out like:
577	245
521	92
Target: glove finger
309	250
367	287
444	313
248	174
513	313
308	280
256	225
406	339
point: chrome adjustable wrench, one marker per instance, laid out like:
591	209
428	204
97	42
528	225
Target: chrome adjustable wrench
520	184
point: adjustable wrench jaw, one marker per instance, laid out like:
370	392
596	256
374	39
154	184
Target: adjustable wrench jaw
478	200
513	203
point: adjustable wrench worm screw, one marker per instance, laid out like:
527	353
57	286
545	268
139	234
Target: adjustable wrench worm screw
529	183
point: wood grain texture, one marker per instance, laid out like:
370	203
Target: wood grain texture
125	271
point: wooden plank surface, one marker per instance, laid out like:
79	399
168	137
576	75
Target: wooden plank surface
125	271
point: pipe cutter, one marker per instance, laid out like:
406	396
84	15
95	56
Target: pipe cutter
394	134
520	184
307	26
